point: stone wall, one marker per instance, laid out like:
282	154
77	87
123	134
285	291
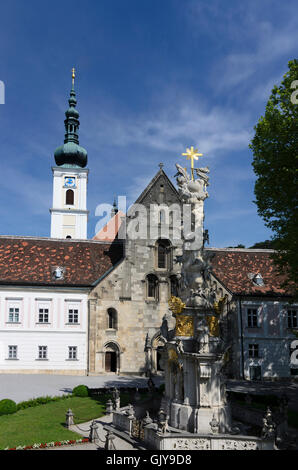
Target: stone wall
136	337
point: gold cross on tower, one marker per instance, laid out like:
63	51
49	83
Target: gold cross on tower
192	154
73	76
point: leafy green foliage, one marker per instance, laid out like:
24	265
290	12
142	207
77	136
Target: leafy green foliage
238	246
275	150
7	407
267	244
80	391
39	401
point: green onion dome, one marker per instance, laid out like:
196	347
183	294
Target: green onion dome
71	154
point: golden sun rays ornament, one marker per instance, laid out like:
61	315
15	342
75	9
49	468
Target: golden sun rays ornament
184	325
192	154
176	305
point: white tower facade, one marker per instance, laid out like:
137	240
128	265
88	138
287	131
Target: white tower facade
69	214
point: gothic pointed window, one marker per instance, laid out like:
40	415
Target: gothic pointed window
174	285
152	287
163	250
69	197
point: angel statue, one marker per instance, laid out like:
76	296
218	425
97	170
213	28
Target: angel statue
192	191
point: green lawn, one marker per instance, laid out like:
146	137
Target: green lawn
44	423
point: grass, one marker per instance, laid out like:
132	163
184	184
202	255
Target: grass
45	423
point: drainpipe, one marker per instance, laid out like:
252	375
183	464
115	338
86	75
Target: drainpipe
241	336
88	339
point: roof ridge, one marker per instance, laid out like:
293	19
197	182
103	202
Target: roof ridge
248	250
49	239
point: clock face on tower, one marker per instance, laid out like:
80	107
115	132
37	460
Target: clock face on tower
69	182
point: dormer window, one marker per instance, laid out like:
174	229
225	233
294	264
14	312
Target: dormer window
58	273
258	280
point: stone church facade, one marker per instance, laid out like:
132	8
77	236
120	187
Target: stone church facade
127	306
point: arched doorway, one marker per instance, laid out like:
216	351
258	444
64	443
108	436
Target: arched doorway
111	357
156	353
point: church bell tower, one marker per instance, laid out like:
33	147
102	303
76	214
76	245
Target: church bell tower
69	215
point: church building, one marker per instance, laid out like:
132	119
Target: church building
69	305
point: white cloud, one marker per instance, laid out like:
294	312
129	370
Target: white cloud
259	34
171	127
269	45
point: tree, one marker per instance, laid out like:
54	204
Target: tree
267	244
275	150
238	246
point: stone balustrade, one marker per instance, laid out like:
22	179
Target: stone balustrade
121	420
189	441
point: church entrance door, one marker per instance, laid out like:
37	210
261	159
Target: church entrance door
111	362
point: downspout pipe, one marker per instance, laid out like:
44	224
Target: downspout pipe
88	340
241	337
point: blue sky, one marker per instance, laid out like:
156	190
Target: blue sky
153	77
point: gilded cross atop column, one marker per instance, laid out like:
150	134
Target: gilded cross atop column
73	76
192	154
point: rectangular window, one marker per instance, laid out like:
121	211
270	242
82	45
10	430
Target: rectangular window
292	319
12	352
42	352
14	315
255	373
43	315
73	315
252	318
72	352
253	350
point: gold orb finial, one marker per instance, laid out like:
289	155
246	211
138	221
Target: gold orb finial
73	75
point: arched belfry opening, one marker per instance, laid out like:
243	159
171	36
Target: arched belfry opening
69	200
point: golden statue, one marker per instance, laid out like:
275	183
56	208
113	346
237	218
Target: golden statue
176	305
218	306
213	325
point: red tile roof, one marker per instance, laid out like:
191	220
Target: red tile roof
29	261
110	231
232	267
